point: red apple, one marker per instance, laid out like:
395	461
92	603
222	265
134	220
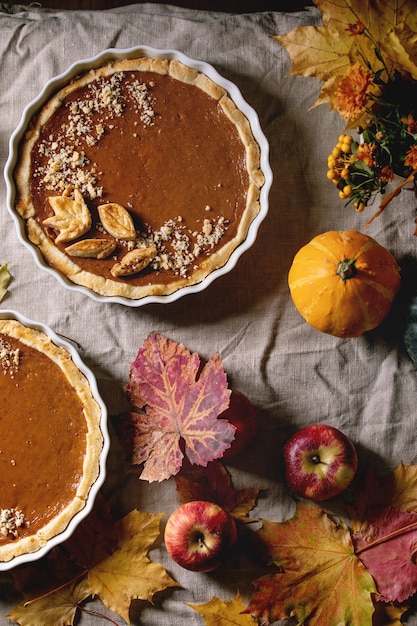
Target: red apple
198	535
320	462
242	414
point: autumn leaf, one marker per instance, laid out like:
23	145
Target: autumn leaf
402	44
216	612
57	609
378	17
95	538
214	484
128	574
179	402
321	581
315	52
4	280
103	558
387	547
389	614
404	489
397	489
325	52
371	491
49	583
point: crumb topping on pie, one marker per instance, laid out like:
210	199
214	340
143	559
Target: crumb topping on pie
11	520
141	155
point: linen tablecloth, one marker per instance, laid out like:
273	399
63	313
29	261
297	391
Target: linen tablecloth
293	374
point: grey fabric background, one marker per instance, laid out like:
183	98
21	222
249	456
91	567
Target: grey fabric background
292	373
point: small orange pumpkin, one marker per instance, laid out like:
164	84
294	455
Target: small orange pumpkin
343	282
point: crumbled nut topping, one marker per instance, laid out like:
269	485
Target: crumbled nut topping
66	164
140	93
66	167
11	520
9	358
184	251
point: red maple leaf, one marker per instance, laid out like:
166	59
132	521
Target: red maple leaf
388	549
179	402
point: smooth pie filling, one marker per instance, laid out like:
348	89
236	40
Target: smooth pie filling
139	178
50	439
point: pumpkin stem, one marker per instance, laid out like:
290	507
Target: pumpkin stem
346	269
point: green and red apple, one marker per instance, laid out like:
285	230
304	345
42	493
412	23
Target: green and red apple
198	535
320	462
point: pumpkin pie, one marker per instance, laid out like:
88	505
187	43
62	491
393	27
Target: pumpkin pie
51	439
138	178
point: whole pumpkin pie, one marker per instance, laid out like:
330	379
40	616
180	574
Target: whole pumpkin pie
51	440
138	178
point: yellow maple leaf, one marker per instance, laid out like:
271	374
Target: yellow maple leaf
103	558
325	52
404	490
402	43
378	17
216	612
398	489
57	609
128	573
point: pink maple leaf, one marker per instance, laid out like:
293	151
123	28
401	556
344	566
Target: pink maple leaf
388	549
179	402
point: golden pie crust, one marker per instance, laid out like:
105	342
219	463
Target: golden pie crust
51	439
136	135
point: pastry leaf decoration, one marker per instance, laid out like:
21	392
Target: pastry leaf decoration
92	248
71	217
177	401
105	558
117	221
325	52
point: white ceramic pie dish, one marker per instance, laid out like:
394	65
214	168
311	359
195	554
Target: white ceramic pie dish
118	54
89	503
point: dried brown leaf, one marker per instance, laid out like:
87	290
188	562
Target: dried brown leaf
214	484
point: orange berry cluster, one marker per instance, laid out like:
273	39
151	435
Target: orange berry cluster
338	163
